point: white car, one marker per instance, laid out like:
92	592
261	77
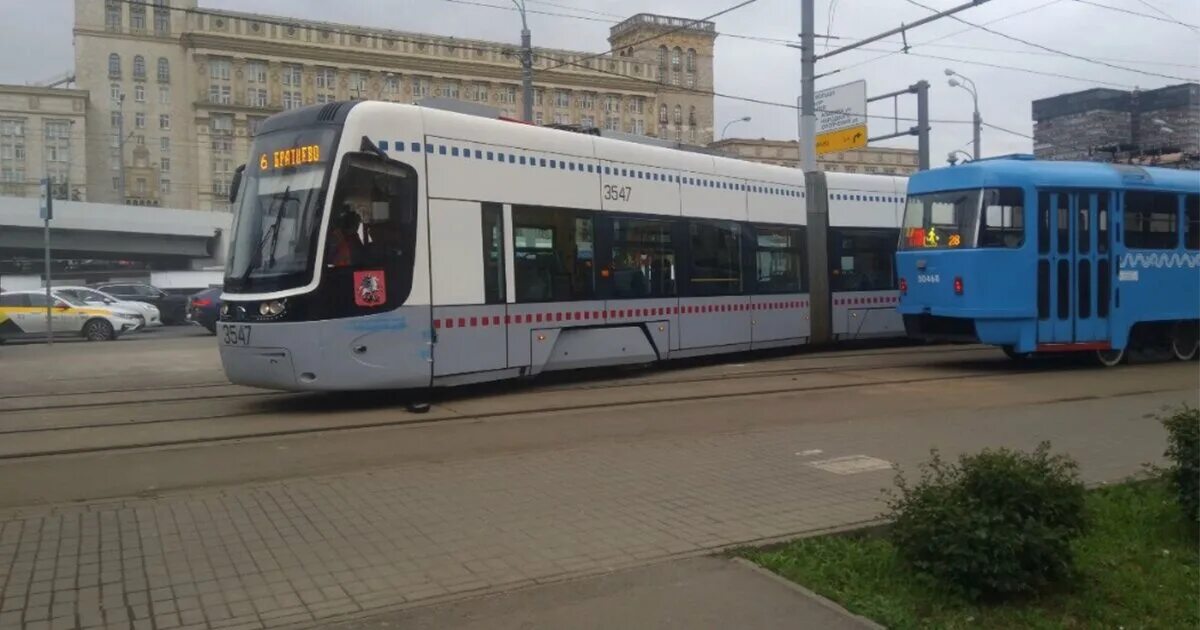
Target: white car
88	295
23	315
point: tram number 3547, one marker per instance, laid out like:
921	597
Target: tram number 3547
235	334
617	193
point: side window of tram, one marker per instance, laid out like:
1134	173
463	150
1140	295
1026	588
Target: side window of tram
373	227
780	260
1003	222
553	257
862	260
1191	212
493	254
643	259
1151	220
716	259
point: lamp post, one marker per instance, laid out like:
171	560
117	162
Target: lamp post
736	120
970	87
526	66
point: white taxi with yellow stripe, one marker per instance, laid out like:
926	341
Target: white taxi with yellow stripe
23	315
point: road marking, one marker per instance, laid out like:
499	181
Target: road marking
852	464
810	452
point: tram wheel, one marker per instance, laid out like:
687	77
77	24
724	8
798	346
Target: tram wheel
1110	358
1011	352
1185	340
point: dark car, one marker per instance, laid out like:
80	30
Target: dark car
172	308
204	307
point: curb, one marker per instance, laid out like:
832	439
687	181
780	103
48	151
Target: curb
801	590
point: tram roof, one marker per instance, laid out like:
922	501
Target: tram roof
1023	171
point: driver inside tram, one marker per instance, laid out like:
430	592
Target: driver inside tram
345	246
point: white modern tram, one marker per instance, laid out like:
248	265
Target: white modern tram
387	246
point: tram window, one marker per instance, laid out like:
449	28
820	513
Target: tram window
1044	223
1102	223
862	260
1103	287
1151	220
493	254
779	260
552	254
716	267
1083	230
1064	222
1003	222
1191	212
643	259
1084	279
1064	289
373	228
1043	289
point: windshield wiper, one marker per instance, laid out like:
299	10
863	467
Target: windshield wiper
272	232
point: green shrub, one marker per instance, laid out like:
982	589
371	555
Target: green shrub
1183	449
997	524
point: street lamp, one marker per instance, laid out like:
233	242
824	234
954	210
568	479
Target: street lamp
738	120
970	87
526	66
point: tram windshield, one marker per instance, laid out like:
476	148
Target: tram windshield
965	219
278	214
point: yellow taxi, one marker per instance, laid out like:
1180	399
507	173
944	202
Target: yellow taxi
23	316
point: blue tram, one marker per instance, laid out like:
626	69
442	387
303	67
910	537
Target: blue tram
1036	256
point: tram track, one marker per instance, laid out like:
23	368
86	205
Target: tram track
311	425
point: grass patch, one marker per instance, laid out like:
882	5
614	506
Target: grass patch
1137	567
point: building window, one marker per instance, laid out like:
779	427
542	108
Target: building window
137	17
256	97
164	186
449	89
162	18
678	115
325	98
139	67
139	186
676	59
292	100
112	15
220	94
612	104
326	79
691	60
358	85
253	123
12	149
164	95
538	119
291	75
662	114
220	69
256	72
164	70
587	100
562	99
391	87
117	120
508	94
637	105
420	87
662	60
139	120
114	66
114	94
639	127
220	131
164	143
587	121
139	93
716	259
164	121
612	123
479	92
538	95
552	254
692	119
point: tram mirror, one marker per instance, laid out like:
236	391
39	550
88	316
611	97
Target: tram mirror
236	183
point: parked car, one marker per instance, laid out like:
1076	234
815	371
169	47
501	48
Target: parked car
173	308
204	307
23	315
89	295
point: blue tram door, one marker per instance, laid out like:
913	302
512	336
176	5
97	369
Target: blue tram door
1074	272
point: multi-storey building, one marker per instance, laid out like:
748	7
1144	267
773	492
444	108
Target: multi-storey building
874	160
1116	125
188	87
42	132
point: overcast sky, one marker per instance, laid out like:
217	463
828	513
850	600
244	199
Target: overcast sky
35	43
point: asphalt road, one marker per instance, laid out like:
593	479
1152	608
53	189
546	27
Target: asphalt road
160	333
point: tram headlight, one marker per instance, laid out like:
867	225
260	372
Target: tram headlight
274	308
224	310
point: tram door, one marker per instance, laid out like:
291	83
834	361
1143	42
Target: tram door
1074	273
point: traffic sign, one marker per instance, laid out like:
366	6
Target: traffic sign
842	140
841	117
45	201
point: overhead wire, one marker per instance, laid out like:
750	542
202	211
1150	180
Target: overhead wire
1159	11
1168	20
1050	49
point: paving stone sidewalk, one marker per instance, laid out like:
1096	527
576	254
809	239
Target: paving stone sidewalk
315	549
